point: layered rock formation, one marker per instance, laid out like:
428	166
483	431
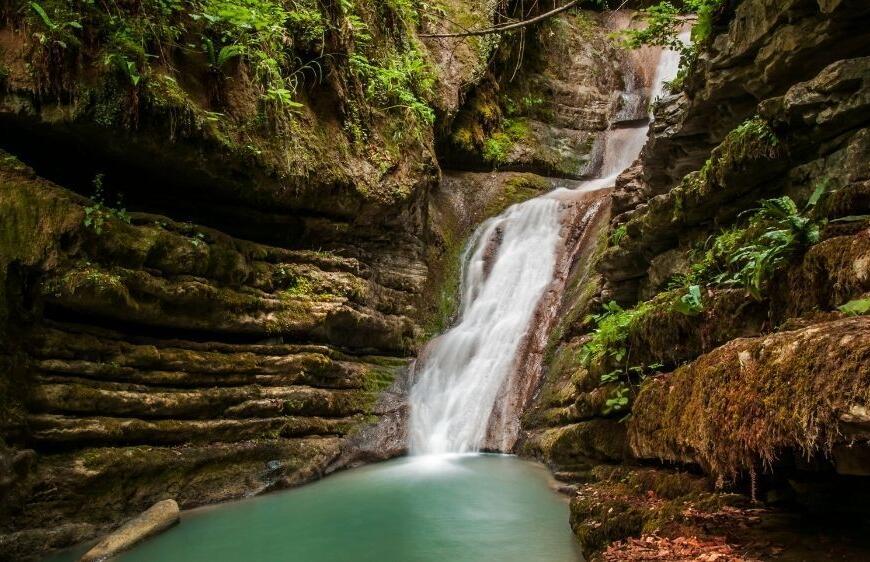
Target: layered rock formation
230	325
232	328
763	390
547	101
290	244
157	358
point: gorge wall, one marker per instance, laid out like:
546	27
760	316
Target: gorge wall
672	375
216	246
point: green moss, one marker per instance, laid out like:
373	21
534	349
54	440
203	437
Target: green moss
741	407
379	377
247	67
751	140
516	189
91	279
446	277
497	148
463	138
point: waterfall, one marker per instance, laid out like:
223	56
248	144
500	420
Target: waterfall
464	381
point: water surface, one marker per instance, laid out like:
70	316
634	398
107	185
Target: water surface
473	508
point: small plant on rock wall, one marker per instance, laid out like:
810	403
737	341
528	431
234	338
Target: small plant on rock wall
55	31
628	379
100	213
691	303
609	344
749	257
618	234
56	45
855	307
198	240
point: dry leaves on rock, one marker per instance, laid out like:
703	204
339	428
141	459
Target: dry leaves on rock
679	549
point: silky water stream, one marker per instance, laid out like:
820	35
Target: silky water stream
447	501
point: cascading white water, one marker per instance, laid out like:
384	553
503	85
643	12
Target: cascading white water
454	395
507	267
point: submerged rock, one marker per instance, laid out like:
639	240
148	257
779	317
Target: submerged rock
154	520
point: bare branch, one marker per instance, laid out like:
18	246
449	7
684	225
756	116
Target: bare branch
503	28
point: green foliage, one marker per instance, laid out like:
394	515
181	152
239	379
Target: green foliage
663	24
279	44
618	401
98	214
259	32
218	58
618	234
400	81
125	66
57	29
753	132
527	104
498	146
608	345
691	303
753	139
749	257
856	307
198	239
609	335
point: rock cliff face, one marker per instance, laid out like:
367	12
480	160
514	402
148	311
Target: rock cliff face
232	328
214	273
759	382
546	101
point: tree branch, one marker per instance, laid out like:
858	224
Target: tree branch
503	28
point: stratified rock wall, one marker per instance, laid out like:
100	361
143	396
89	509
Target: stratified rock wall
164	359
764	391
235	328
546	103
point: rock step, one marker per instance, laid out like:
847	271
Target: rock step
107	356
759	398
194	304
79	396
113	372
58	430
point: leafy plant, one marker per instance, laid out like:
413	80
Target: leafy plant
98	214
690	303
856	307
608	344
198	239
126	67
607	309
788	229
749	257
664	22
630	378
618	234
617	402
394	83
58	31
218	58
